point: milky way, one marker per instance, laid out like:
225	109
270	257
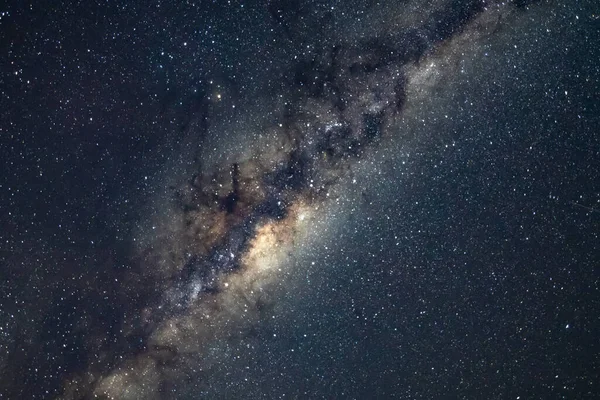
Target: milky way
230	228
378	199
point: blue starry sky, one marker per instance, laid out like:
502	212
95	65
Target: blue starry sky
299	199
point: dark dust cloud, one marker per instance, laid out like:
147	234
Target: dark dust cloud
310	199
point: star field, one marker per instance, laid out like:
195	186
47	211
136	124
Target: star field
311	199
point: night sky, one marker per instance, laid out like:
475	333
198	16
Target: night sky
300	199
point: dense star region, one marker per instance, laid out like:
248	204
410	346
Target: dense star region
300	199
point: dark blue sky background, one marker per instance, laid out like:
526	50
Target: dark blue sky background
461	262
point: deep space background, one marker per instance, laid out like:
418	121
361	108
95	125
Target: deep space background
300	199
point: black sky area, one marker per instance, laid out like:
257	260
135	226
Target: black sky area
300	199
